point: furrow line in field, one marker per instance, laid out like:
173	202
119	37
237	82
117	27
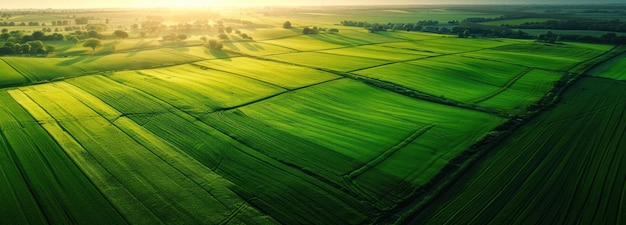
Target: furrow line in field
503	88
277	94
28	78
387	153
232	215
24	178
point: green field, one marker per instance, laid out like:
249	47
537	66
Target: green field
612	69
353	126
565	167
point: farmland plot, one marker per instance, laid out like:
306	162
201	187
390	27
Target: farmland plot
10	76
454	77
565	167
275	188
523	92
281	74
328	61
153	181
613	68
538	55
184	90
41	184
333	130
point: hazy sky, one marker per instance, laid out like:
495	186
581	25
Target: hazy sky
197	3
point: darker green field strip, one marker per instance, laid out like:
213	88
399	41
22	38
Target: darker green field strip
18	203
613	68
565	167
63	193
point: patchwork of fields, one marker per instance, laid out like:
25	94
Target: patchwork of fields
281	130
565	167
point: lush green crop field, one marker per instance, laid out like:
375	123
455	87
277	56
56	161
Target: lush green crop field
454	77
350	127
328	61
380	52
319	128
553	57
284	75
10	76
306	43
447	45
197	90
41	184
527	89
613	68
147	180
564	167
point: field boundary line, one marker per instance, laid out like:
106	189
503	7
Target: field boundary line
29	79
503	88
388	153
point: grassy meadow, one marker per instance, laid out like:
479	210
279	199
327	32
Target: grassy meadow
337	127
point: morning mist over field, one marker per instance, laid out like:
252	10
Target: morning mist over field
199	3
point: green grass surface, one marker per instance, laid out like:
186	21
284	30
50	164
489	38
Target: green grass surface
613	68
305	43
555	57
332	129
197	91
565	166
46	69
168	186
276	188
379	52
454	77
447	45
10	76
328	61
528	89
281	74
41	183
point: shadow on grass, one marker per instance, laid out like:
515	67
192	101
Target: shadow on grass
218	54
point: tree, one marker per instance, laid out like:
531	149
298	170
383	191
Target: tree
92	34
182	37
307	30
51	48
120	34
204	40
287	25
229	30
214	45
36	47
26	48
223	36
75	40
37	35
4	30
466	33
92	43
